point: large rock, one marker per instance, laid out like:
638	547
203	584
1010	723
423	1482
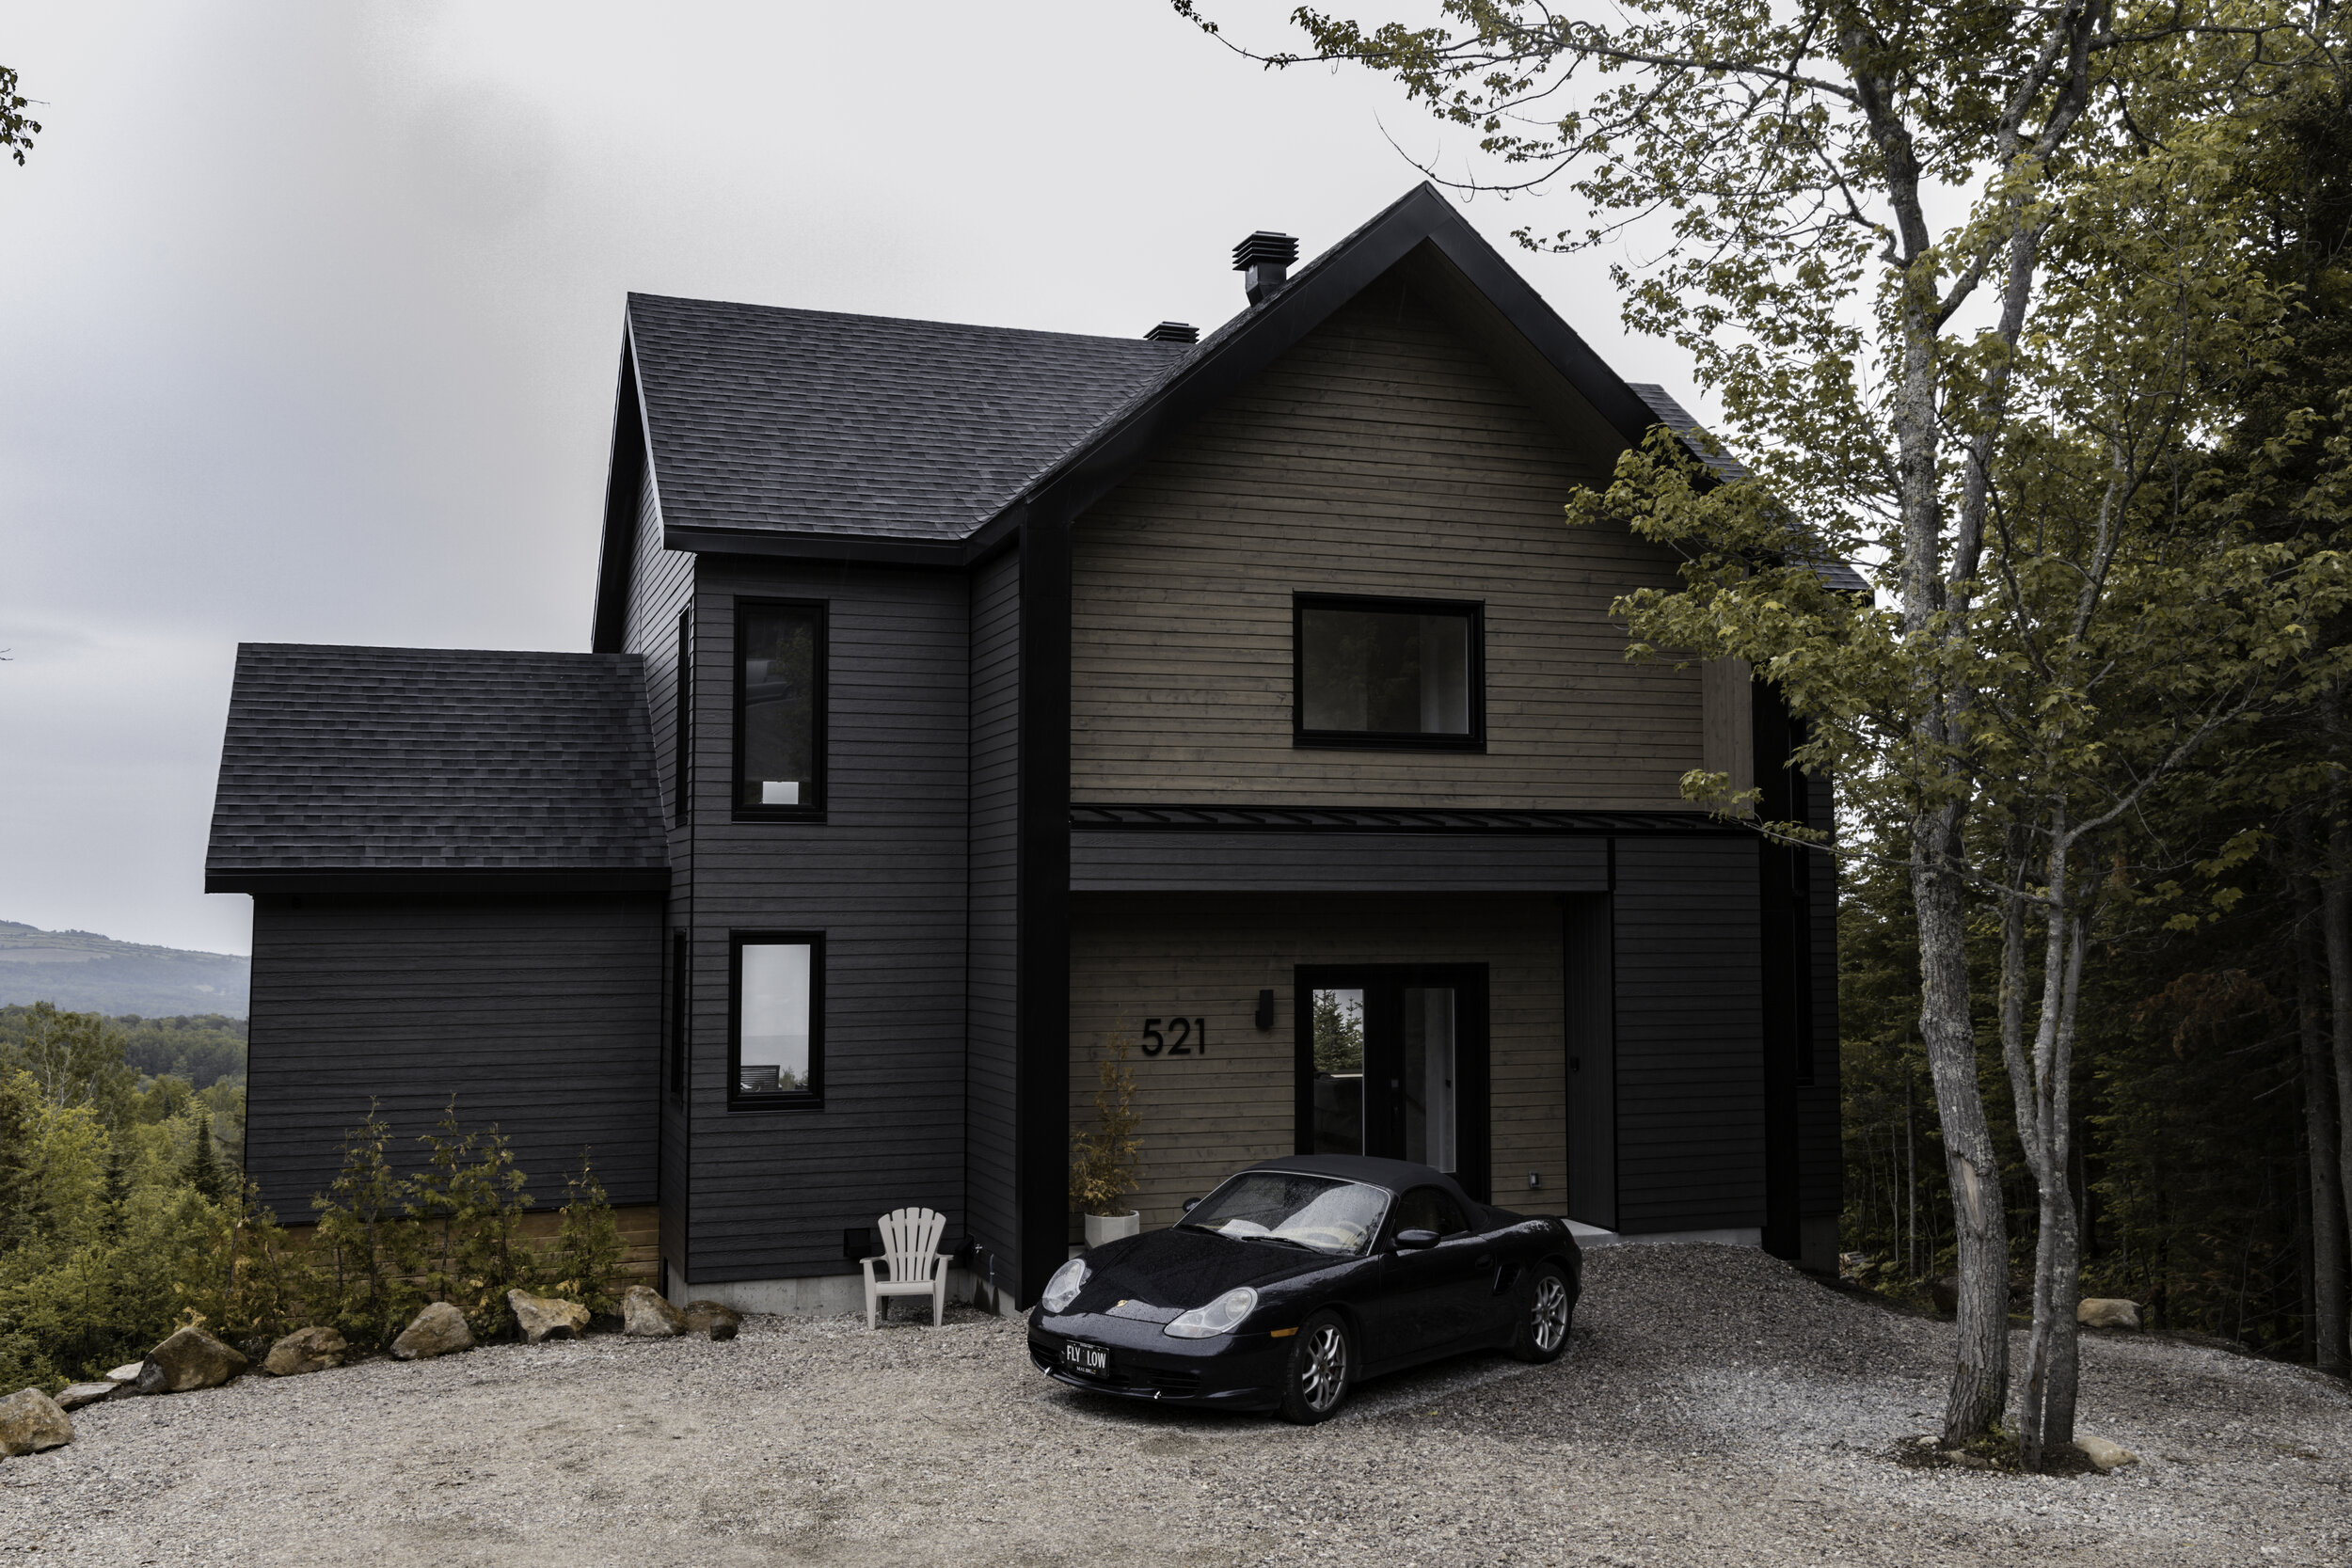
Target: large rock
31	1421
306	1350
646	1315
189	1359
547	1317
76	1395
2104	1455
1944	1292
437	1330
127	1373
2106	1312
712	1319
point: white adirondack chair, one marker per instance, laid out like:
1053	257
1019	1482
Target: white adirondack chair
910	1243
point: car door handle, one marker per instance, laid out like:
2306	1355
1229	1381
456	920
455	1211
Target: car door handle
1486	1261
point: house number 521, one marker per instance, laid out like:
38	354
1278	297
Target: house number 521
1185	1036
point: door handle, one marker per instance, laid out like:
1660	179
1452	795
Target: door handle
1486	1261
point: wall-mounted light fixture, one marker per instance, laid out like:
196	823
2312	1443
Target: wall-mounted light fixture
1266	1008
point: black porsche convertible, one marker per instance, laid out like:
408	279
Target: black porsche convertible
1298	1279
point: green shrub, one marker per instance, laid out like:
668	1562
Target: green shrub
586	1262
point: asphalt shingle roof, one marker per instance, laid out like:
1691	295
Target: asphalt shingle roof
772	419
427	759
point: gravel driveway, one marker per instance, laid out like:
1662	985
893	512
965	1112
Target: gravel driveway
1715	1408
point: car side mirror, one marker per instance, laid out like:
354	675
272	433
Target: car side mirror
1190	1204
1415	1240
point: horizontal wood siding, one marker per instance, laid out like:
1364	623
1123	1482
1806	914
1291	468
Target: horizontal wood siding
883	878
1134	956
660	585
990	991
1383	455
541	1015
1689	1056
1130	858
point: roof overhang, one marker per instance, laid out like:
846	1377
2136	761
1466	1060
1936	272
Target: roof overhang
367	881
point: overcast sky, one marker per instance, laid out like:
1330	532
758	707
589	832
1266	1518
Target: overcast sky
309	313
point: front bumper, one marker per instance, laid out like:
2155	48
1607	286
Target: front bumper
1233	1372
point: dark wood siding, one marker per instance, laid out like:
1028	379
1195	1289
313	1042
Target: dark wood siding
661	586
1689	1063
883	878
1124	859
542	1015
1822	1174
1589	994
992	986
1383	455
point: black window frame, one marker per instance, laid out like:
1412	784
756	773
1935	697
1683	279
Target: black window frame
1388	740
681	1011
682	724
818	741
812	1098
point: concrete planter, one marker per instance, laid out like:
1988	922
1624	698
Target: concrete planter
1109	1227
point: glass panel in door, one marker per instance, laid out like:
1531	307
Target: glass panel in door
1425	1084
1338	1066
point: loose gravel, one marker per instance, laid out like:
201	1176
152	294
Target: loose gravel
1715	1407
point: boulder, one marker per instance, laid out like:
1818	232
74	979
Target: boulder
2105	1456
76	1395
191	1358
31	1421
306	1350
712	1319
646	1315
547	1317
1944	1292
2106	1312
437	1330
127	1373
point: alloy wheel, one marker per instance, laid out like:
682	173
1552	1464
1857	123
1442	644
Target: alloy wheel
1323	1378
1548	1318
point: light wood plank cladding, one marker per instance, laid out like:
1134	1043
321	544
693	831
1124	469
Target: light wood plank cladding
1728	717
1206	956
1382	455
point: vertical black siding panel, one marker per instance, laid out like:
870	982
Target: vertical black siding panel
1592	1051
991	987
537	1013
662	583
883	878
1690	1038
1821	1158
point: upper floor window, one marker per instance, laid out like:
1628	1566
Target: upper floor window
1388	672
779	710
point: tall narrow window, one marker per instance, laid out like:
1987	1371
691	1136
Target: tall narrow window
682	723
779	710
778	986
1405	674
681	995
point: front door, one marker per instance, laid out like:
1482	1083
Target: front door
1392	1062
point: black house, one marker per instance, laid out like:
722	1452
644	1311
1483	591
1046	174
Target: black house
965	702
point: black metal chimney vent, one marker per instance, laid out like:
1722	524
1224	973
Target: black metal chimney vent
1173	332
1263	259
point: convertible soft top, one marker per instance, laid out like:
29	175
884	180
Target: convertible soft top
1393	1176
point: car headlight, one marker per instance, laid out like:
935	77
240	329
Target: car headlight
1221	1316
1064	1287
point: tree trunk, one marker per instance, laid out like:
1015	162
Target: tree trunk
2336	933
2319	1125
1979	1388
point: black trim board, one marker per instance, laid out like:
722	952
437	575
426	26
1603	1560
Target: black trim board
1042	1070
370	881
618	564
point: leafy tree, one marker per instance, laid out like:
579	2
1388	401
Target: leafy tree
471	1199
2003	412
373	1255
16	129
75	1060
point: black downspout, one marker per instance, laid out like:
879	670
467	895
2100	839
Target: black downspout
1042	1070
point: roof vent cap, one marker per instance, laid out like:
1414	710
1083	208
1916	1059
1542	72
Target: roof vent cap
1263	259
1173	332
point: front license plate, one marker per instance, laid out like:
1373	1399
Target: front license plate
1093	1360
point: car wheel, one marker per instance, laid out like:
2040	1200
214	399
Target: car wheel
1321	1366
1543	1331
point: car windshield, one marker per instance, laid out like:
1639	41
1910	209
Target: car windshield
1317	1211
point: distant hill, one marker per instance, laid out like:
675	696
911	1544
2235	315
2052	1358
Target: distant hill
83	971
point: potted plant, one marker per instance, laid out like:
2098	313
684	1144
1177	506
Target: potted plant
1103	1160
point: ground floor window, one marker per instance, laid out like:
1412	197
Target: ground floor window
777	991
